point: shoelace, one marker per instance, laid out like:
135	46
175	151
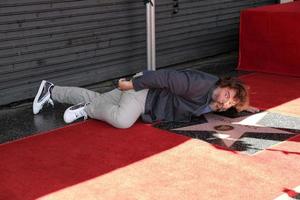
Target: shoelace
83	113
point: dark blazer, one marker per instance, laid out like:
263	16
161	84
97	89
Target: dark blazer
175	95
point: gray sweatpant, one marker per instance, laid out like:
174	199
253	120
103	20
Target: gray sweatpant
118	108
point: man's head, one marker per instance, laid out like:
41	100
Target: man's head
230	92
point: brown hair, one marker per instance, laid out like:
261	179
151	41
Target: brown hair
242	91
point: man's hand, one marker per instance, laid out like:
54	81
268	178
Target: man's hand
125	85
251	109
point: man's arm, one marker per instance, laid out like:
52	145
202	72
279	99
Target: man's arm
164	79
175	81
187	83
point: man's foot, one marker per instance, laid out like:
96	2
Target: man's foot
42	97
75	112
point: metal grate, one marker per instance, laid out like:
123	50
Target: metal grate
81	42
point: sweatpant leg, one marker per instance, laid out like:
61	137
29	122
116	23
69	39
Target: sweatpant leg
121	115
72	95
75	95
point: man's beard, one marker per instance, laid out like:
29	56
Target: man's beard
216	106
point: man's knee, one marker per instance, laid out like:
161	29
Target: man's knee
123	123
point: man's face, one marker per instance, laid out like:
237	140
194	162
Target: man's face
224	98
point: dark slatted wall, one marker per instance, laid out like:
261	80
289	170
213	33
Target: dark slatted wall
81	42
200	28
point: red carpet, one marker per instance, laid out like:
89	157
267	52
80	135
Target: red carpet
270	39
277	93
92	160
39	165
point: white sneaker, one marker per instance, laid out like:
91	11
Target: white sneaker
75	112
42	97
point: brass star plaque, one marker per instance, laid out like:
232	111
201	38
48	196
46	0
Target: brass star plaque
223	127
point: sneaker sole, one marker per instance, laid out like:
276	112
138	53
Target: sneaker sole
37	97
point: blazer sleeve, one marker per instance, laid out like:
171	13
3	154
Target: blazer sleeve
175	81
187	83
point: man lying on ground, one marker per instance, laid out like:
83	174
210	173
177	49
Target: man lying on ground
162	95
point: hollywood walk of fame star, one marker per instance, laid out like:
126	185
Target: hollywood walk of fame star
233	128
